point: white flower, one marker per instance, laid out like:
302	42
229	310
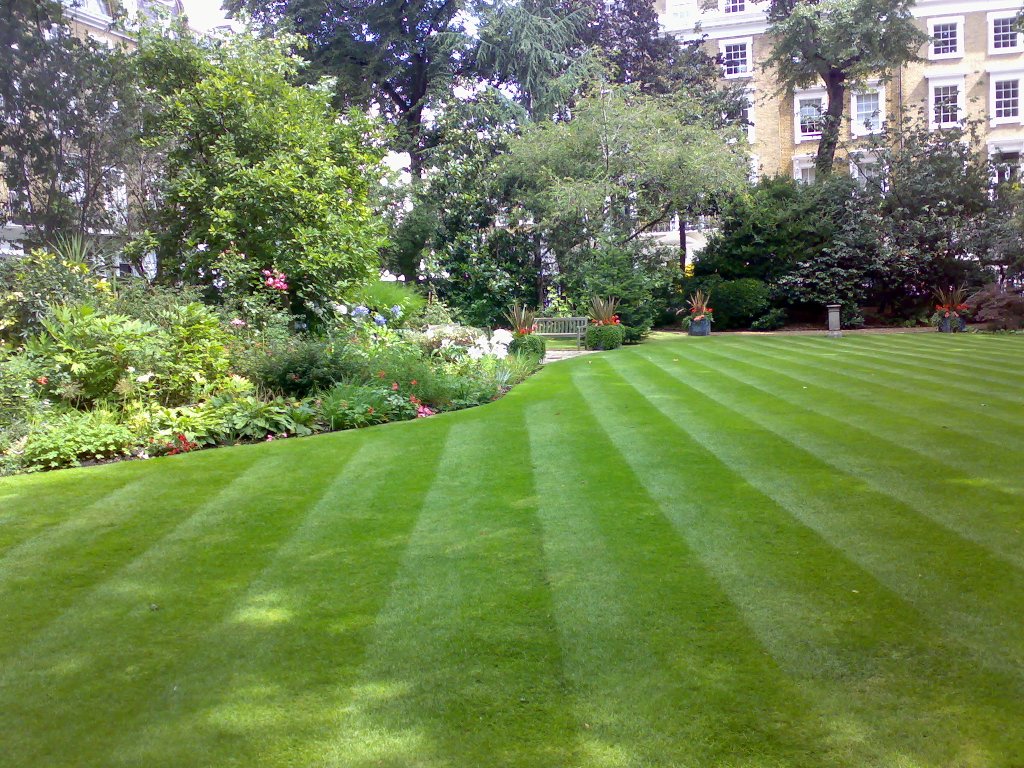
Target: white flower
202	247
130	369
144	378
475	353
502	336
501	352
341	309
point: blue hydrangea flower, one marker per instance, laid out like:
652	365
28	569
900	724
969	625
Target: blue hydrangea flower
396	311
379	319
360	311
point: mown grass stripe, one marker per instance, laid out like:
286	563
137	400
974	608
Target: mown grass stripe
947	359
850	355
1000	351
65	561
915	414
907	551
658	673
937	448
995	423
856	649
42	501
464	668
264	686
133	625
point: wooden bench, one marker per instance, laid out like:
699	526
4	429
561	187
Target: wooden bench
563	328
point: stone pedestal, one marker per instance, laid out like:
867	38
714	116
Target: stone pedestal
834	330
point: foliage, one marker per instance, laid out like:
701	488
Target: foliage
605	336
70	438
68	119
392	54
348	406
738	302
401	303
528	344
632	335
249	418
772	320
262	175
30	284
602	310
625	162
1000	307
302	366
89	352
521	319
699	308
842	43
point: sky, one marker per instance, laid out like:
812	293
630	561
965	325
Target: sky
204	13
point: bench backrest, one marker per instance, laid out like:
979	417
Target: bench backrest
561	324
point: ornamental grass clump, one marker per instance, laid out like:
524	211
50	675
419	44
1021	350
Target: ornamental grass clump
522	319
699	309
602	311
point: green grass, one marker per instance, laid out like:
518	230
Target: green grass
732	551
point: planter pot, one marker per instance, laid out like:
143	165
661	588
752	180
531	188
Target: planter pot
952	325
700	327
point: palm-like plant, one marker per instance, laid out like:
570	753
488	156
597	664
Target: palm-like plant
521	318
602	311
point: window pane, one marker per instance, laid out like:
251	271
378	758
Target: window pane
946	104
945	39
735	58
1007	166
810	117
735	6
1007	98
867	110
1004	33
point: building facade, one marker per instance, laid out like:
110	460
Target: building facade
972	69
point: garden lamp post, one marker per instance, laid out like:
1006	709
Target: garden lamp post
834	330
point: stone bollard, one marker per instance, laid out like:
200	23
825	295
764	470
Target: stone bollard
834	330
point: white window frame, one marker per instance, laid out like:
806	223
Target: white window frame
932	24
749	43
811	93
857	128
995	76
992	50
724	6
1006	146
857	159
960	81
802	163
751	129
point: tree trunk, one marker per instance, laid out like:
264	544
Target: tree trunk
538	263
832	122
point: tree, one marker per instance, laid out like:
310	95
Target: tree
68	122
842	43
262	174
394	54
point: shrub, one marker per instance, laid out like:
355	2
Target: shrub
397	302
302	366
770	321
604	336
633	335
528	344
31	284
90	352
349	406
999	307
248	418
194	352
71	438
739	302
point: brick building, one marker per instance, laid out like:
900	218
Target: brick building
972	68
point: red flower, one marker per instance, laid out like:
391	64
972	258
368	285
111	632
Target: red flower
42	381
381	374
394	386
369	409
413	383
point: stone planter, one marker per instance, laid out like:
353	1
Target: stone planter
700	327
952	325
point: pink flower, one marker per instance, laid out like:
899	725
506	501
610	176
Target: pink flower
394	386
270	438
423	411
238	323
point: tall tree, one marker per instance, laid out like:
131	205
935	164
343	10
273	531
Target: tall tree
263	176
842	43
393	54
66	121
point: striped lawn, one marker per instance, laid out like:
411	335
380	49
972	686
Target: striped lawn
732	551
